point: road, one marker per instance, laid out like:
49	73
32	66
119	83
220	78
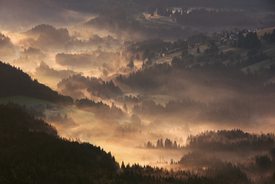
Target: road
146	17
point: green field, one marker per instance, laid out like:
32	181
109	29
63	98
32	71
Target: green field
23	100
256	66
270	51
72	112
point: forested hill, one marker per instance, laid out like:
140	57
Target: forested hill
15	82
28	156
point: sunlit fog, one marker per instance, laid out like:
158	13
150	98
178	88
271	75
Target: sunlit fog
179	86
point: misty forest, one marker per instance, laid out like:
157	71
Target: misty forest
137	91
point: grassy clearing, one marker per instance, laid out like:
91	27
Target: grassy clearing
157	22
256	66
194	50
168	58
260	33
23	100
270	51
82	117
161	19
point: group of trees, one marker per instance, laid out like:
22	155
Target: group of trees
126	130
185	59
221	140
219	57
173	107
118	22
212	175
168	144
222	76
74	86
199	159
131	99
253	57
32	156
250	41
149	48
231	110
269	37
232	140
99	108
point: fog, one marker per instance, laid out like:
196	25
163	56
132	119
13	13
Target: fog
130	91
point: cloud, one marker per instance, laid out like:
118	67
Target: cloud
95	58
44	70
33	52
25	63
80	60
93	42
77	86
6	47
48	36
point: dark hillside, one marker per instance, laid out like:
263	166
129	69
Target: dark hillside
15	82
37	157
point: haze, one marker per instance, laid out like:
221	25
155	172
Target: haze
145	72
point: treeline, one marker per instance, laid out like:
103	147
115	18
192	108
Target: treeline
173	107
227	111
100	109
168	144
126	130
233	140
213	175
117	21
74	86
212	54
15	116
130	99
157	46
250	41
221	140
256	167
215	74
29	155
15	82
32	156
145	79
269	37
199	159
